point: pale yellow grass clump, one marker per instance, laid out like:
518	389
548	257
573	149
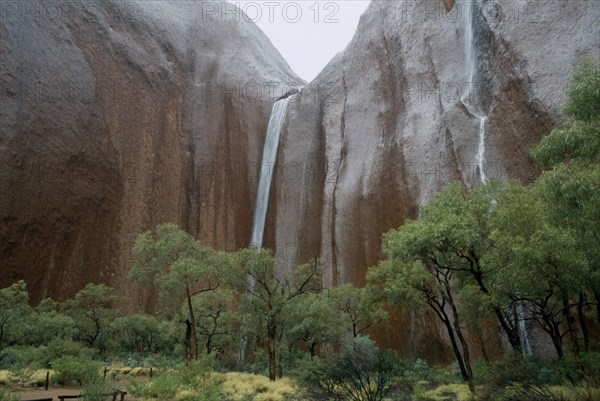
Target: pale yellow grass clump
239	385
118	371
183	395
37	378
4	377
440	393
577	393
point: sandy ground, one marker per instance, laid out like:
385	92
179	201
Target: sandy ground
35	393
54	392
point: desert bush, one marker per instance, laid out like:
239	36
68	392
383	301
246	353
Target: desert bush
19	357
444	392
184	383
7	396
9	357
420	371
590	362
162	361
249	387
361	372
75	370
59	348
95	390
22	374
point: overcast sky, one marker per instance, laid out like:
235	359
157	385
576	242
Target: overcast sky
308	33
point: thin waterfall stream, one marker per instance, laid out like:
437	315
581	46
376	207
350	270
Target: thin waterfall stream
472	103
470	99
267	169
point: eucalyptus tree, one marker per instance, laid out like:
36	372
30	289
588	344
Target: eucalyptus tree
535	263
92	310
181	268
139	333
267	301
13	308
406	277
46	323
361	307
315	320
216	318
571	183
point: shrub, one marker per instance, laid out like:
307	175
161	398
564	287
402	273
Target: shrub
361	372
22	374
9	357
7	396
59	348
95	390
186	383
590	362
419	371
19	357
512	368
75	370
162	361
250	387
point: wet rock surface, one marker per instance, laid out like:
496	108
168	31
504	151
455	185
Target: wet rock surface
383	128
117	116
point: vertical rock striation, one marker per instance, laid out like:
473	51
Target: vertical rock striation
117	116
382	128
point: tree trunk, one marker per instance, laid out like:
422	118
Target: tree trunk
439	310
552	327
597	297
556	340
311	348
582	322
208	344
193	337
570	324
511	333
482	343
271	344
463	342
461	364
280	371
189	356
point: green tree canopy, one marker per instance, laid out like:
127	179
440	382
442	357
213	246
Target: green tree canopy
269	295
571	185
361	307
14	306
181	268
93	310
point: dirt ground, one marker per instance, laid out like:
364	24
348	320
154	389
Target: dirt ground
35	393
54	392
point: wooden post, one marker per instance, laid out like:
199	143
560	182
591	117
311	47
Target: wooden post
47	380
151	373
105	369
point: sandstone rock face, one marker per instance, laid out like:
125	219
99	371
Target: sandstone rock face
117	116
382	128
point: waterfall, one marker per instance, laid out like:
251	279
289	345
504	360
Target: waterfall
523	332
472	103
266	170
470	98
481	150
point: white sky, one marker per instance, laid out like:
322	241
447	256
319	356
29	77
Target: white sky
308	33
